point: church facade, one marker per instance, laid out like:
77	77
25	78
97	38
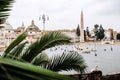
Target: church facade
8	34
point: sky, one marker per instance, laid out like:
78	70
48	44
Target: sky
65	14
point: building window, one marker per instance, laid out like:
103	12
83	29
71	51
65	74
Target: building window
30	28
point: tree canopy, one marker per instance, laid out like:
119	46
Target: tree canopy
87	32
78	31
118	36
99	32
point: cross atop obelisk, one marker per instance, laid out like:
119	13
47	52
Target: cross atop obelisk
82	28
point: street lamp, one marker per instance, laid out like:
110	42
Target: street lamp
44	18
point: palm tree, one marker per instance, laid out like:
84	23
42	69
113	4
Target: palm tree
70	60
49	40
14	63
22	70
34	53
15	70
5	7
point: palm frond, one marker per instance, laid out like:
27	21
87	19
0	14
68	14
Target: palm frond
50	39
17	51
5	7
41	59
67	61
15	70
16	42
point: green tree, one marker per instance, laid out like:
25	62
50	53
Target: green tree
78	32
87	32
118	36
101	32
84	35
96	30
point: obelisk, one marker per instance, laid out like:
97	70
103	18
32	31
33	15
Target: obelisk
82	28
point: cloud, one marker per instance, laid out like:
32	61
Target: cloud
65	13
110	7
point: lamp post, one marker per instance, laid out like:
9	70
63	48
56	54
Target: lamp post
44	18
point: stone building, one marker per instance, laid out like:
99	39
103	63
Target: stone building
20	29
110	34
33	32
7	34
71	34
107	35
115	35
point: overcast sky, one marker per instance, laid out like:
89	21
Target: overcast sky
65	14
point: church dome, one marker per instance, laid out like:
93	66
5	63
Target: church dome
6	25
21	28
32	27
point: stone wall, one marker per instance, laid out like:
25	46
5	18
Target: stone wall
96	75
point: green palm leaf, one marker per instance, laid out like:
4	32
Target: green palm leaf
50	39
17	51
16	42
5	7
67	61
41	60
15	70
